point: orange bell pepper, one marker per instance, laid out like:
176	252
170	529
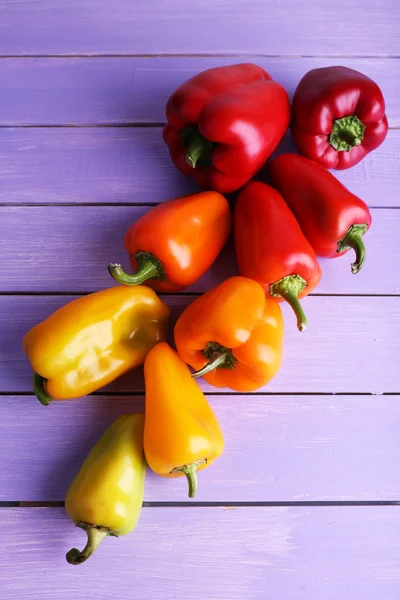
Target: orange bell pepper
181	432
232	335
174	244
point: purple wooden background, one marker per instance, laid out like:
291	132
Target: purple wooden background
302	503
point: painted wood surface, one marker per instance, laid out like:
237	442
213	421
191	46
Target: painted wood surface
121	90
350	346
71	247
277	448
81	130
131	165
242	554
206	27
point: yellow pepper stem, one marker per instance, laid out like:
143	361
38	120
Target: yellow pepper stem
95	535
191	474
40	390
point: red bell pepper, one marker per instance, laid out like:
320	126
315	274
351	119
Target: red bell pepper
272	249
331	217
224	123
338	116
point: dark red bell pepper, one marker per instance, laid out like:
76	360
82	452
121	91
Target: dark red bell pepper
338	116
331	217
224	123
272	249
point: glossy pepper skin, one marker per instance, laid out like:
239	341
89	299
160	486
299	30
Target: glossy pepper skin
338	116
330	216
106	496
175	243
272	249
232	335
224	123
91	341
181	434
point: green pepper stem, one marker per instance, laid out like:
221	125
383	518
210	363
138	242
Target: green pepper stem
353	239
347	133
198	149
40	390
289	288
95	535
149	268
191	474
211	365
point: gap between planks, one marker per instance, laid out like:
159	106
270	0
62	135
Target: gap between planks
221	504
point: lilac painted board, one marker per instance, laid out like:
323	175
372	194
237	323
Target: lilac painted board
123	90
132	165
351	345
277	448
65	249
154	27
209	554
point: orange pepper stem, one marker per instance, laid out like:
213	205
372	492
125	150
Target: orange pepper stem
353	239
198	148
219	357
289	288
149	268
95	535
191	474
40	390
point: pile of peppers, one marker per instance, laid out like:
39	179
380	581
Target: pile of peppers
222	127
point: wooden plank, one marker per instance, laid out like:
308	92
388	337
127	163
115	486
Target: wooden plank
123	27
120	90
132	165
241	554
277	448
350	346
68	248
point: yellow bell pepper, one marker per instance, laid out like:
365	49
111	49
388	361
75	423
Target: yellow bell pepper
91	341
106	496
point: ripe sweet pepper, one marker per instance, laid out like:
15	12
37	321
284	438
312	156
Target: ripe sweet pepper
106	496
232	335
330	216
91	341
272	249
181	433
224	123
173	244
338	116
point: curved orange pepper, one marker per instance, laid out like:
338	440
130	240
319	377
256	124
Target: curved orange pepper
181	432
174	244
232	335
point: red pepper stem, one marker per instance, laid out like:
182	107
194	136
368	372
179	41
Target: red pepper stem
191	474
149	268
347	133
353	239
198	148
95	535
40	389
289	288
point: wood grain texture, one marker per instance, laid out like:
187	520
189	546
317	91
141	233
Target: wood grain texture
154	27
120	90
350	346
65	249
130	165
209	553
277	448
